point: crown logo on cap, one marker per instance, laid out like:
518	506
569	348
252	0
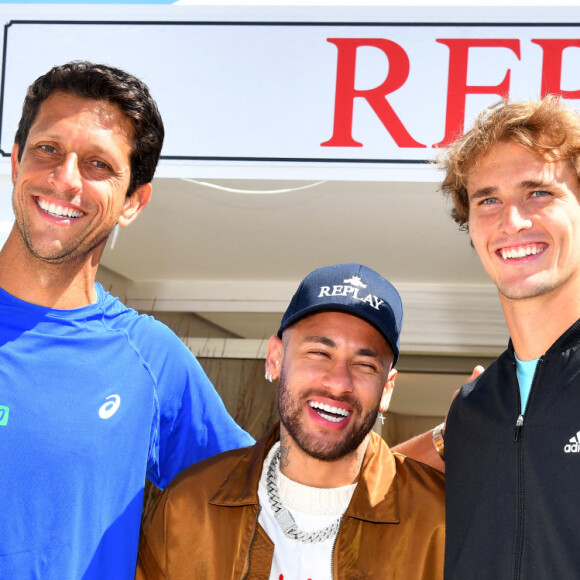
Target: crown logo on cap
355	281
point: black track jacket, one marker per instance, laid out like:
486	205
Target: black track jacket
513	487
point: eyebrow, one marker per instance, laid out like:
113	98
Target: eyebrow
331	344
536	184
481	193
367	352
52	135
321	339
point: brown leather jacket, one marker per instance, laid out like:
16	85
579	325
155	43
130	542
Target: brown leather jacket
206	522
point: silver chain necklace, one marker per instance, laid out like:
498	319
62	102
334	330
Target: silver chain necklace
284	517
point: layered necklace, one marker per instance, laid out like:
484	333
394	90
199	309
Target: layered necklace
284	517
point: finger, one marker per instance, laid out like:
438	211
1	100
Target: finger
476	372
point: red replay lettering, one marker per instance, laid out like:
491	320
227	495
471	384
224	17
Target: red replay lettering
457	87
376	98
399	68
552	65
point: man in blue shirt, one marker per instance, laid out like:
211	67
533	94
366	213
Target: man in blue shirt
93	396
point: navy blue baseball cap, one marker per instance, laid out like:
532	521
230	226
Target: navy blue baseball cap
354	289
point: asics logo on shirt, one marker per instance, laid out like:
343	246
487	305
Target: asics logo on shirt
109	409
4	411
574	445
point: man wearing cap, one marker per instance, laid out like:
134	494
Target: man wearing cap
320	496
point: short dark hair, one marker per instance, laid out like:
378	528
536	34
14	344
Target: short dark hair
102	82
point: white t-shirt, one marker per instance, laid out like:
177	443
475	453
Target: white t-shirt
312	508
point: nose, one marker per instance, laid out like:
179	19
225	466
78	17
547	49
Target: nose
338	378
514	221
67	176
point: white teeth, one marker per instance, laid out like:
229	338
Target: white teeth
521	252
319	407
330	418
57	210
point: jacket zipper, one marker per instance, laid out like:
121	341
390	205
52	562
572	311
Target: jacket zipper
258	510
518	436
332	552
518	439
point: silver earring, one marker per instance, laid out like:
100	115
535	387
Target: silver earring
382	418
114	236
269	377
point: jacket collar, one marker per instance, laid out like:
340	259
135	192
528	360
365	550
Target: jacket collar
240	487
568	340
375	498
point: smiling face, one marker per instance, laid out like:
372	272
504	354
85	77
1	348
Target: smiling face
71	182
524	222
336	371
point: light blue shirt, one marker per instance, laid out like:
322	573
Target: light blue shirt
525	370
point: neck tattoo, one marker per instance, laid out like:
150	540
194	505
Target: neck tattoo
284	517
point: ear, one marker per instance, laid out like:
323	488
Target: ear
14	161
388	391
134	204
274	357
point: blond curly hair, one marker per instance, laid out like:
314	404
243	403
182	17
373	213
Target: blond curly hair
548	127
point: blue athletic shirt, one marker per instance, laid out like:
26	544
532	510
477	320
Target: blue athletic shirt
525	370
91	401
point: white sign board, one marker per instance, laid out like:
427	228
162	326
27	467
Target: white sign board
378	95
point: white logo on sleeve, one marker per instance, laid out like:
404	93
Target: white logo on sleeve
574	445
109	409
